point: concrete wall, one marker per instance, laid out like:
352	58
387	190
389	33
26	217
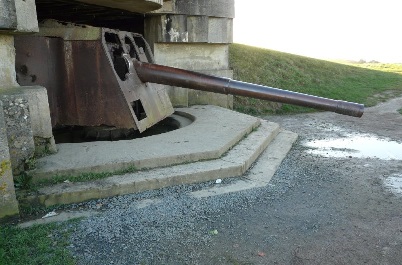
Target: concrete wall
7	62
193	35
18	16
201	57
41	123
17	121
8	201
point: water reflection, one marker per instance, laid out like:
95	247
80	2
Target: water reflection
361	146
394	183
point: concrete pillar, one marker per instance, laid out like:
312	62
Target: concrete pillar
17	122
193	35
21	105
8	201
7	62
18	16
16	135
41	123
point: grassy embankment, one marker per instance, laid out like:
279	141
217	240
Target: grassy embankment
363	83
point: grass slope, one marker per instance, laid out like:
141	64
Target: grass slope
362	83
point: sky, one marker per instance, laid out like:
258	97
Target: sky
342	29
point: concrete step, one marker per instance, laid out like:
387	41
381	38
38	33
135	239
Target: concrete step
261	173
233	163
212	132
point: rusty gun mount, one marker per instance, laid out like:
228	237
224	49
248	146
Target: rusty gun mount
165	75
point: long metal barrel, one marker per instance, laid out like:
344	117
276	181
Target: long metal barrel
165	75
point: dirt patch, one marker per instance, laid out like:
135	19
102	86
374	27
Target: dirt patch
333	210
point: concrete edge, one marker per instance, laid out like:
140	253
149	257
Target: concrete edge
60	217
233	164
261	174
150	163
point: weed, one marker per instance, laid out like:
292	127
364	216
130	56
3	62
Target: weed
23	181
30	163
87	176
400	111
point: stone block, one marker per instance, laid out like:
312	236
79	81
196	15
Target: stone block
7	61
8	15
213	8
220	30
205	58
136	6
166	28
192	56
19	131
8	201
197	97
18	16
40	120
178	96
197	27
169	28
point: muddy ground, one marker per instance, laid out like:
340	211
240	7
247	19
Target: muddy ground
338	210
317	209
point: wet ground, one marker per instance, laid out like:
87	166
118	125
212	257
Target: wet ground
336	199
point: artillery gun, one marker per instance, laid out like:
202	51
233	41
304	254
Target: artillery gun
104	77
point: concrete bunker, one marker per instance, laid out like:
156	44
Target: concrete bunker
32	134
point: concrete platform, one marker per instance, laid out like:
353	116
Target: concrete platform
219	143
213	132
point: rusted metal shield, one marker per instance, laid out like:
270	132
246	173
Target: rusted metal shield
88	81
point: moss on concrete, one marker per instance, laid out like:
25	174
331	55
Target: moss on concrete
4	166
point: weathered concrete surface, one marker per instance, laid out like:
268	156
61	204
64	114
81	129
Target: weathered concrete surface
7	62
201	57
8	15
196	56
60	217
40	120
197	97
235	163
18	16
8	201
262	171
193	29
27	20
193	35
68	31
213	8
137	6
214	131
19	130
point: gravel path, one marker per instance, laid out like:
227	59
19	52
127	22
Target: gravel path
316	209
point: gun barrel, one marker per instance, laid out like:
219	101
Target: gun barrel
166	75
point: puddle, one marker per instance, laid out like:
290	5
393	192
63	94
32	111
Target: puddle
394	183
360	146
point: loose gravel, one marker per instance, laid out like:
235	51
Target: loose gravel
315	210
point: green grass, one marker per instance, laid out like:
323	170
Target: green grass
83	177
400	111
367	83
24	181
42	244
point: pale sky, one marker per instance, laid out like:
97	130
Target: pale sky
341	29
